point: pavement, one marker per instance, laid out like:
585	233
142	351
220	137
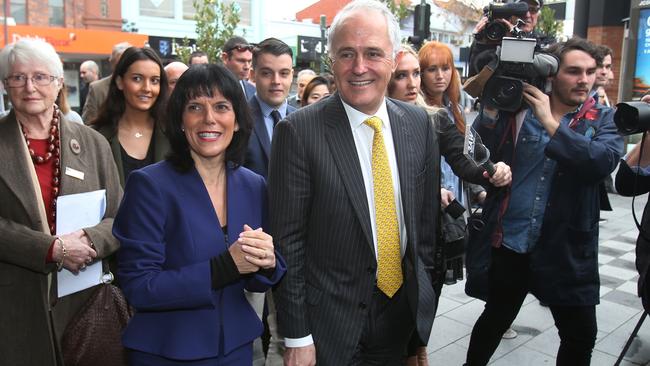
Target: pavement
537	342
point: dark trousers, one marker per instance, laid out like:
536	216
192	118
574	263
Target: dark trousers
387	331
508	280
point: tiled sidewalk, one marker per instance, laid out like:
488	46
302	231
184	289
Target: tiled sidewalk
537	342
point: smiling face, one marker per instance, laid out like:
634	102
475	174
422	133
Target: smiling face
405	83
209	124
273	76
140	85
575	78
362	61
32	99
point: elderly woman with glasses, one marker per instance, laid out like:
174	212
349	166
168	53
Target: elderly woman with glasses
44	156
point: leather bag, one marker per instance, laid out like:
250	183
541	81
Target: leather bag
94	335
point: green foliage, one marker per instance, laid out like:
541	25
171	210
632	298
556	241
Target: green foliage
183	50
216	21
547	24
400	11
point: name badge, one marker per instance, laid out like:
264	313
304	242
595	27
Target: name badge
74	173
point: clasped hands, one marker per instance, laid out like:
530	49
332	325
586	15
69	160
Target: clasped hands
253	251
78	251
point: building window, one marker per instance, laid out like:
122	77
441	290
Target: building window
188	9
244	11
244	7
17	11
56	12
157	8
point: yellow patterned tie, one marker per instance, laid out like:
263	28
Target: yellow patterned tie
389	258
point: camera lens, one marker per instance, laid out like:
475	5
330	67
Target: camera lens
495	31
503	93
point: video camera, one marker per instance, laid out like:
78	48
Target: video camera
505	63
495	30
632	117
518	61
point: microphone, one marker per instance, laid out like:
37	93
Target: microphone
545	64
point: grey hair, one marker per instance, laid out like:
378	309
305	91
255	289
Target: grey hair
30	50
306	72
366	5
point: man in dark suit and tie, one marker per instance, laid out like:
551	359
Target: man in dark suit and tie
237	56
273	74
354	198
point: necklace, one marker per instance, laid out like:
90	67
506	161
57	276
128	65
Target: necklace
53	152
138	135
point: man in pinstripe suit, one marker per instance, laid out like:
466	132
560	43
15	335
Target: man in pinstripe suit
323	203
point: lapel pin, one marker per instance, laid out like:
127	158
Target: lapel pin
74	145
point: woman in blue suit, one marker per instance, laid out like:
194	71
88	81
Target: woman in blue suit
191	233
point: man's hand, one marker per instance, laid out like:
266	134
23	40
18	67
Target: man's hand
541	106
446	197
502	175
300	356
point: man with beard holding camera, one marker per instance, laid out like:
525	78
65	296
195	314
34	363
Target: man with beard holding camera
543	229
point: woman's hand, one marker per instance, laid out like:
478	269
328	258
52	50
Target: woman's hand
78	251
242	263
258	247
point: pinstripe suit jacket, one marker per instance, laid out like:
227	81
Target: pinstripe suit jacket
321	224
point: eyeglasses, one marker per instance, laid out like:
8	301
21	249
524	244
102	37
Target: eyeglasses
20	80
241	48
533	9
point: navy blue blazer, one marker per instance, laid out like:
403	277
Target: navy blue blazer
259	144
249	89
169	230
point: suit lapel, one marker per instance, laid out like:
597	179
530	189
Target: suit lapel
344	151
405	156
72	159
15	168
260	128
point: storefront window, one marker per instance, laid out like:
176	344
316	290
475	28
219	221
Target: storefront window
243	5
157	8
56	12
18	10
188	9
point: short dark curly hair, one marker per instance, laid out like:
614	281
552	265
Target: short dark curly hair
197	81
579	44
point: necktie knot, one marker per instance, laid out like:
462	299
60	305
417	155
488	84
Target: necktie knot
375	123
276	117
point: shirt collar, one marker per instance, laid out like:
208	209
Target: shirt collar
267	109
357	118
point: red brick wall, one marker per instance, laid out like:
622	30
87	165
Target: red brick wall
78	14
38	13
611	36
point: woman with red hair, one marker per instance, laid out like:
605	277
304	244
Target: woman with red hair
441	88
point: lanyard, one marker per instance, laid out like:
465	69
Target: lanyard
586	106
